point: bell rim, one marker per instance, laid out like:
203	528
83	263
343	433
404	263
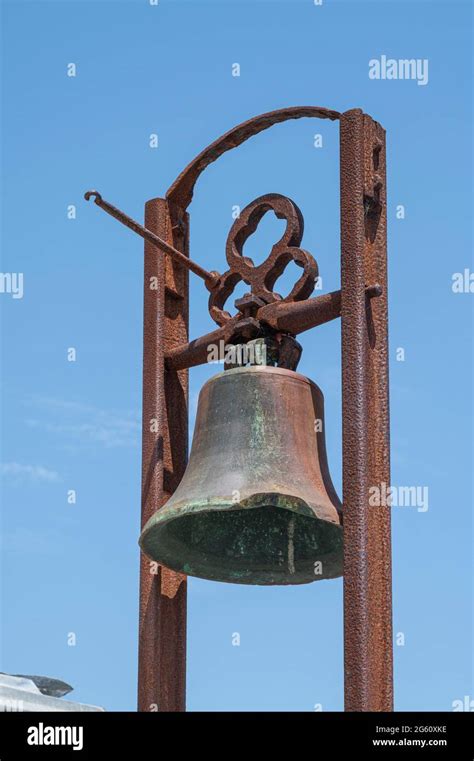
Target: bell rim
293	503
197	568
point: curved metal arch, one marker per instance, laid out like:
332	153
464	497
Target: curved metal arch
181	191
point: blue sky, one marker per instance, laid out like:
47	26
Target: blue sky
166	69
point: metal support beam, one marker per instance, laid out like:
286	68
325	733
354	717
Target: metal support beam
287	317
162	639
366	458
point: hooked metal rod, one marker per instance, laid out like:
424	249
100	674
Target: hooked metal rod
210	278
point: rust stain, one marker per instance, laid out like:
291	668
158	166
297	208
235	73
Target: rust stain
171	582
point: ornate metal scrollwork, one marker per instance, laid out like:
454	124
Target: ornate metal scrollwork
262	278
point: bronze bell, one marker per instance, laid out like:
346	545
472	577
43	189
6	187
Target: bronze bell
256	504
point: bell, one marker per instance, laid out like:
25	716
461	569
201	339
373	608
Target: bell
256	504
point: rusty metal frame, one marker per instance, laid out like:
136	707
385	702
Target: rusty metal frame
368	667
362	306
163	593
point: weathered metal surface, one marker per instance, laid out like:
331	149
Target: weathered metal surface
297	317
367	561
286	317
279	350
256	504
379	523
181	191
162	639
262	278
210	278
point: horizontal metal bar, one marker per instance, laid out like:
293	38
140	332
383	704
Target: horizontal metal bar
287	317
298	316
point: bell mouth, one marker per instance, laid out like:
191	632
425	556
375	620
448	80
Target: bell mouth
241	543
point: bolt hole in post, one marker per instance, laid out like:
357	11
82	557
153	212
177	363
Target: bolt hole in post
376	155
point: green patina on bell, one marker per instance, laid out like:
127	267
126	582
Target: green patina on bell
256	504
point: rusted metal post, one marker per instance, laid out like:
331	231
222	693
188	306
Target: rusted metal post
162	635
366	459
